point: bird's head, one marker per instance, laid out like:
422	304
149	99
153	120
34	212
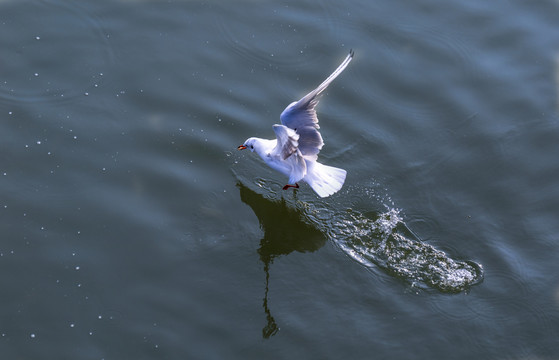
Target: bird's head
249	144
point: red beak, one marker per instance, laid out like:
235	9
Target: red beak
241	147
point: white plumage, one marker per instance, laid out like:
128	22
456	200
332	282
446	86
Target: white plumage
295	150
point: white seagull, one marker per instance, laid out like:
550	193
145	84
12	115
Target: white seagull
295	150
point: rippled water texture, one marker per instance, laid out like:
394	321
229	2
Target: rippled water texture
383	240
131	228
31	64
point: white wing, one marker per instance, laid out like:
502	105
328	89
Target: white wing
287	142
301	115
287	150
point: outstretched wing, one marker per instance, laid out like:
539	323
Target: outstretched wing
301	115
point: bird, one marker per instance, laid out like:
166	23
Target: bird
294	151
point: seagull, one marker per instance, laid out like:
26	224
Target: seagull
295	150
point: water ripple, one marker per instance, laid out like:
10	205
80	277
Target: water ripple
379	240
282	27
56	57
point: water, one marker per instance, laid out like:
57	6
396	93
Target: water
132	228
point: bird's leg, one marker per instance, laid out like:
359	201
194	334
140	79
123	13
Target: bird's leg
296	186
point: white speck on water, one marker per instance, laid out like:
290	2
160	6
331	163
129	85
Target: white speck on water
37	38
72	325
100	317
32	336
86	94
36	74
75	137
77	267
10	113
38	142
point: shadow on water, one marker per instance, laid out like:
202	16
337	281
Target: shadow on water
374	239
284	232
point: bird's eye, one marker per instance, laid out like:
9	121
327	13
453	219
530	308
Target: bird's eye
252	147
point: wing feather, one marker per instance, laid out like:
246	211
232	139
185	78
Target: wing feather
301	115
287	141
287	148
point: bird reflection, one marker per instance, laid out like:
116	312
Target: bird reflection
284	232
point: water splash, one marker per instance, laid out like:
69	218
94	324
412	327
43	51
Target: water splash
379	239
387	242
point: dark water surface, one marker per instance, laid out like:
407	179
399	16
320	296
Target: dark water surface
131	228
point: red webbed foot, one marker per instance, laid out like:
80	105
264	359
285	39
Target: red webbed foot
296	186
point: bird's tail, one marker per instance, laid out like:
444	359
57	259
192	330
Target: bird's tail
324	180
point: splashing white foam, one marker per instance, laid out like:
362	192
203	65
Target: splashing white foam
380	239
